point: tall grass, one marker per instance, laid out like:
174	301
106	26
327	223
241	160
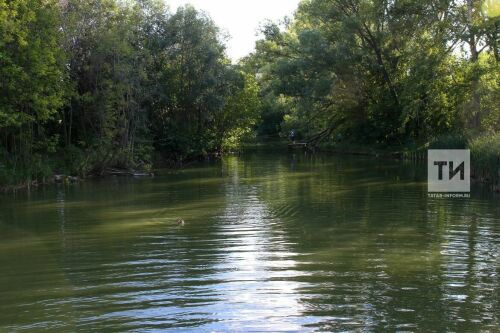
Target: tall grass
450	141
19	173
485	158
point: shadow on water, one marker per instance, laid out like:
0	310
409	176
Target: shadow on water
271	242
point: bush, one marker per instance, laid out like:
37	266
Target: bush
449	141
16	171
485	157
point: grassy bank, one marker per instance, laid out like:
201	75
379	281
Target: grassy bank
485	157
74	165
18	175
485	153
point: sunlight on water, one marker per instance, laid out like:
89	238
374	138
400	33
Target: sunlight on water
271	242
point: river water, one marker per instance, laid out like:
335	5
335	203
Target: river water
272	242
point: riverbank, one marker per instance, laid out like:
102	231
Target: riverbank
54	170
485	153
485	160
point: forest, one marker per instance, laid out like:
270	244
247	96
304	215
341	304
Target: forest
88	85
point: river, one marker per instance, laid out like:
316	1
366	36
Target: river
272	241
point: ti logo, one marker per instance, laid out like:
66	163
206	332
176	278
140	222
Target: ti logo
448	171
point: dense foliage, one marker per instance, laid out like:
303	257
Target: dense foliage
376	71
86	85
31	85
91	84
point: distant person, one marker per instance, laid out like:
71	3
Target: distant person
293	135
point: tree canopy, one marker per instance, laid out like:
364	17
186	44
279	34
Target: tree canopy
86	85
375	71
115	83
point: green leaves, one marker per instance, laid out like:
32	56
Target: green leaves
379	71
31	72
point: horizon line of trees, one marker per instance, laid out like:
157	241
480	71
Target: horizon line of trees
90	84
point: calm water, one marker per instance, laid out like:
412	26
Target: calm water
272	242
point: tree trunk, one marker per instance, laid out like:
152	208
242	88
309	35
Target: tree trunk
474	57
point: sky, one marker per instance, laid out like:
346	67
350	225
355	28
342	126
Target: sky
241	18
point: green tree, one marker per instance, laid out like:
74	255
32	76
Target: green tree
191	73
31	81
237	119
376	71
108	73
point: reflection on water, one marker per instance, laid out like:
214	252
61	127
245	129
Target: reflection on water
271	242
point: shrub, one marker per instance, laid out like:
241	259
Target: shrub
485	157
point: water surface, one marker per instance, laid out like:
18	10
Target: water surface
272	242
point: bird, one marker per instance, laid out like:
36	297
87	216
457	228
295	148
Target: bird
180	222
